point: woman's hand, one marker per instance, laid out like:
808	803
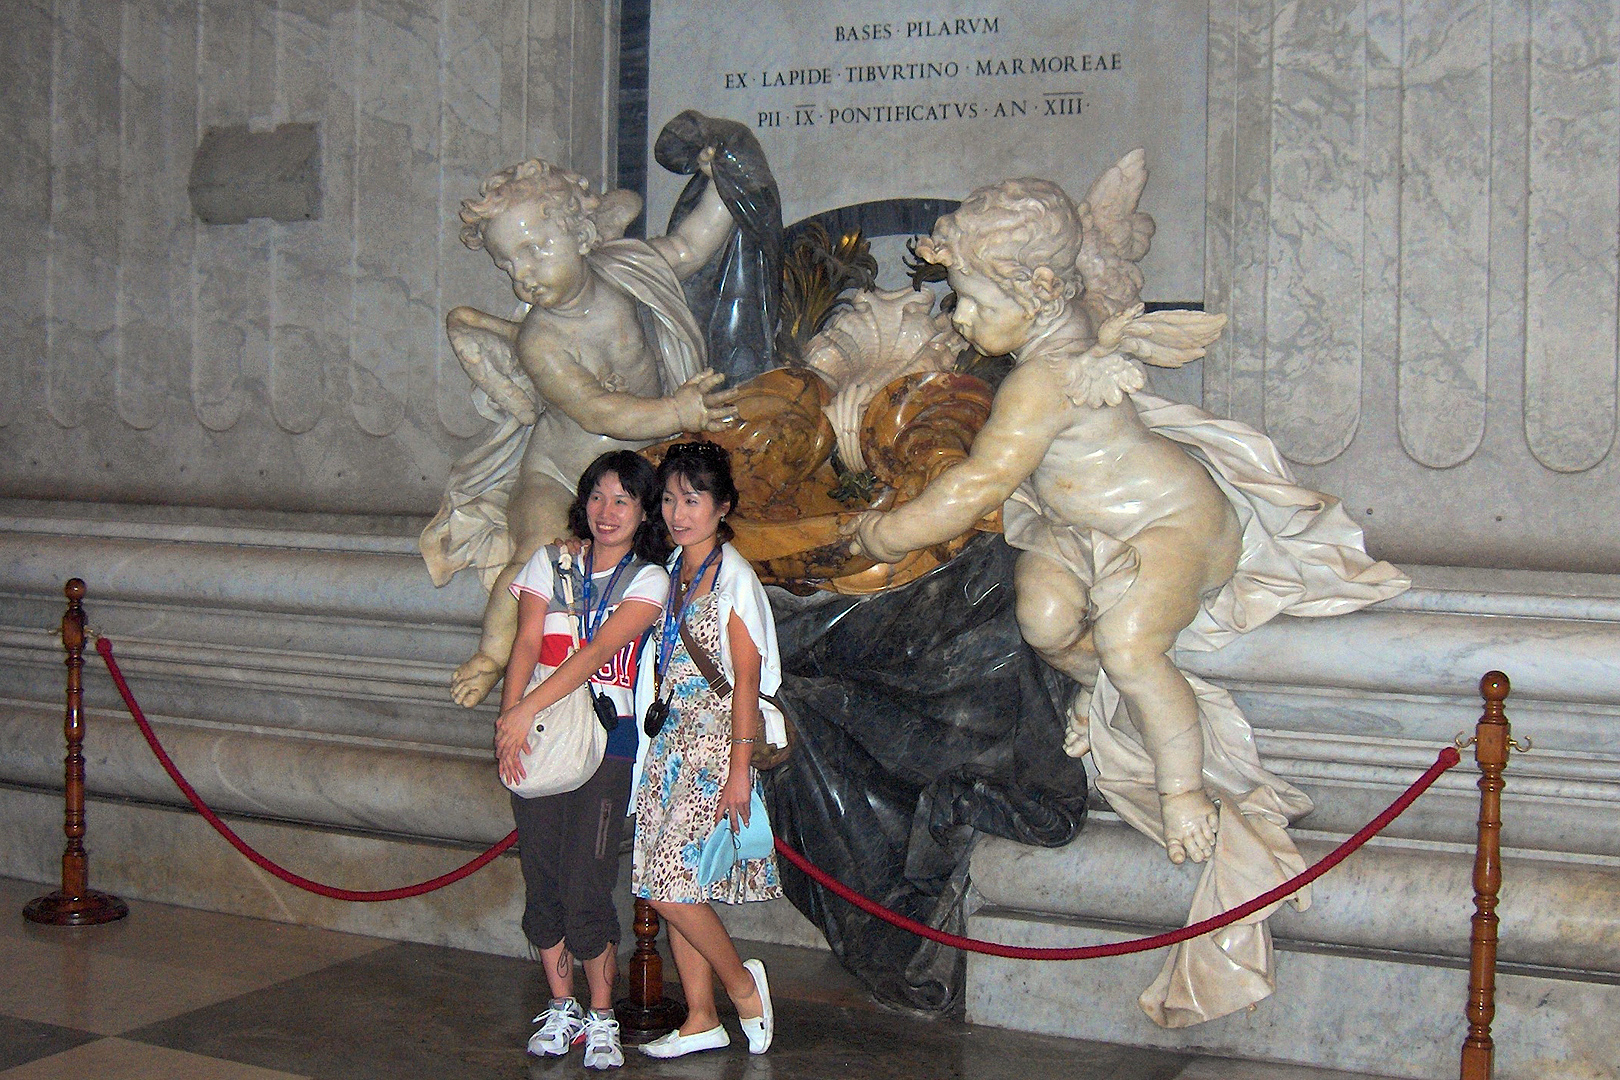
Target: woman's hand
512	741
735	796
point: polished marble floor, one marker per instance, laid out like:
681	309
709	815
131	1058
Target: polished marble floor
175	994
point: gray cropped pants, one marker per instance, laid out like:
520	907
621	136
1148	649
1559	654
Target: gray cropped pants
568	846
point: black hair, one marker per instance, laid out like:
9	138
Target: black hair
638	478
705	466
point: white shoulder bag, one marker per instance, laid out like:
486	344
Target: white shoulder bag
568	741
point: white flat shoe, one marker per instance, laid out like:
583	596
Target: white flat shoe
761	1028
676	1045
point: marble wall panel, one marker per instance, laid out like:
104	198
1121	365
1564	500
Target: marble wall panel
25	197
157	57
1381	229
1220	164
513	31
1313	326
1444	230
294	366
470	147
548	88
1510	181
1234	372
82	282
1414	230
590	66
233	304
396	183
308	326
1573	222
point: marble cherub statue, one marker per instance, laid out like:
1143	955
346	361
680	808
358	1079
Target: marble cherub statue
606	356
1144	527
1062	429
1127	529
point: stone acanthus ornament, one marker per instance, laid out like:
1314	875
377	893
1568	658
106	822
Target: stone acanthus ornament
880	337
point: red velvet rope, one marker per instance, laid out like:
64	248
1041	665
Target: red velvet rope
1447	758
104	647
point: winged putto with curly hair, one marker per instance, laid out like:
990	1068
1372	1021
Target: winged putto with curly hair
1143	526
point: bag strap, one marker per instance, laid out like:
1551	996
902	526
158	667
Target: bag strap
705	664
711	671
564	580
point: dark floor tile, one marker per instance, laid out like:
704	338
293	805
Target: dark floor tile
405	1011
817	1041
22	1041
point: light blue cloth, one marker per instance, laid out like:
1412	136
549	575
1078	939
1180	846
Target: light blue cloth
724	848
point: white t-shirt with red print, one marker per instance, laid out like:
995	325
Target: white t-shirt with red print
643	581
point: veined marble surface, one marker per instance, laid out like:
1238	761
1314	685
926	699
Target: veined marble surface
1372	1013
1411	225
150	356
299	667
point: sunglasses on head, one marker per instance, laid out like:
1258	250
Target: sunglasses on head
696	450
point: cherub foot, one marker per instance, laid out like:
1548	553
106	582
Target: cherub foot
1077	735
1190	821
473	680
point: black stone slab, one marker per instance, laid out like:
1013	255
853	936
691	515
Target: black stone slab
22	1041
406	1011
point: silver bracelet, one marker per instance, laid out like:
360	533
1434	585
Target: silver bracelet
736	741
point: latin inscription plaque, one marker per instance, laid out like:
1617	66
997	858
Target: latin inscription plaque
856	103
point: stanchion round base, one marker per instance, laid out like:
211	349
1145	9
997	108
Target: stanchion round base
91	909
643	1023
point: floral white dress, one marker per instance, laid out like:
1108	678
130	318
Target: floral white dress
685	769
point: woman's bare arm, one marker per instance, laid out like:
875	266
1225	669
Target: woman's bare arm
746	722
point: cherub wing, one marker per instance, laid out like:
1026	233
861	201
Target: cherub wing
1165	339
616	211
1106	372
487	348
1114	235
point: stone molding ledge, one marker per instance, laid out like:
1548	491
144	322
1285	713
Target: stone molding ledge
326	631
1390	896
378	786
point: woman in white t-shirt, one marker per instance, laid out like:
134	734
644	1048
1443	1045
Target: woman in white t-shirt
568	843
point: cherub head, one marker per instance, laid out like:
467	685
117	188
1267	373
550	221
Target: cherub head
1010	250
538	222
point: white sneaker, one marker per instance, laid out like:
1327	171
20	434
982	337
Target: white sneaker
560	1025
602	1050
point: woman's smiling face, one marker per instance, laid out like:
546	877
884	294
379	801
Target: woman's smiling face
691	516
613	513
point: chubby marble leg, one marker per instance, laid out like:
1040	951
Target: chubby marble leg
1134	639
1052	607
536	515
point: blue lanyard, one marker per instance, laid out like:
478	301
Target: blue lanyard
592	625
672	626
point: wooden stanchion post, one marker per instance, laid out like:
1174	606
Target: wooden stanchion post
1491	740
75	903
647	1013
